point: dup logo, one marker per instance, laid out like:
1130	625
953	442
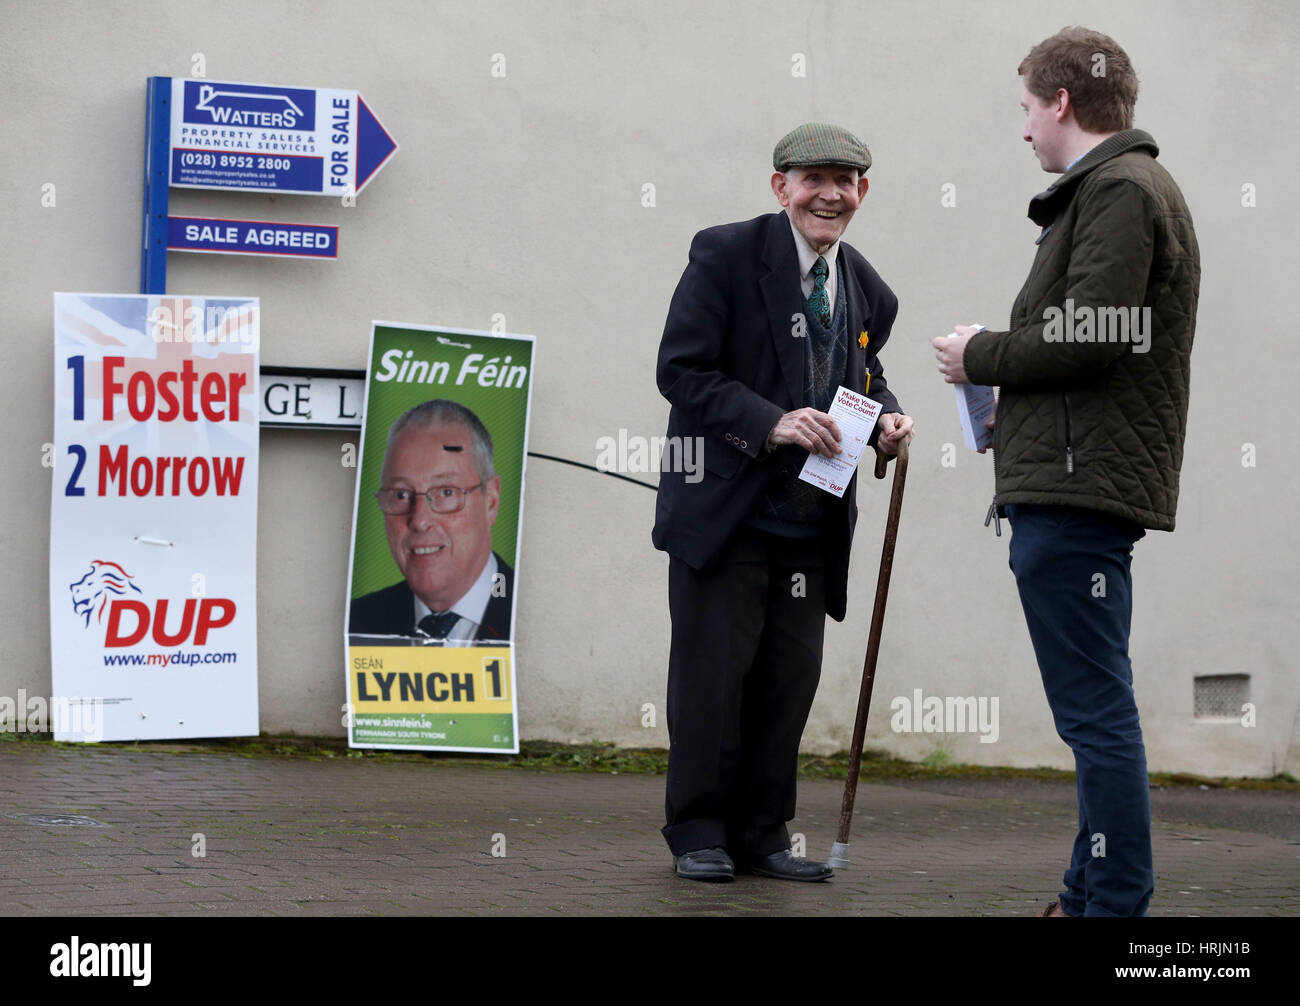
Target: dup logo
91	594
107	588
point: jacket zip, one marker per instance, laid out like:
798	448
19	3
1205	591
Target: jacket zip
993	514
1016	309
1023	299
1069	445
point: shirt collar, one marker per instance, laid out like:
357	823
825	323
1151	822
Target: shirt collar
808	255
473	605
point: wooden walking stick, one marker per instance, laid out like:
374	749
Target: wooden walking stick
839	858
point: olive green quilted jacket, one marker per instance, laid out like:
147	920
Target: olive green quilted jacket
1095	369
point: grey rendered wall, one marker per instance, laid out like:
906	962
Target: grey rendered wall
523	194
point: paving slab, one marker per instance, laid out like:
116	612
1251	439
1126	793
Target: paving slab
354	837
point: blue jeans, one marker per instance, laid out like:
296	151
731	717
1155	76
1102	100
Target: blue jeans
1072	568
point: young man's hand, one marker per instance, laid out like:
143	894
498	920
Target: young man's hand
950	350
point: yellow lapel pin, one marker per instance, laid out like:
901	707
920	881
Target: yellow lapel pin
863	339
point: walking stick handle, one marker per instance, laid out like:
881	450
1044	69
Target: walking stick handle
882	459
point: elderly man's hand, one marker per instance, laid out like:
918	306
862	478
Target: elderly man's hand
895	430
814	431
949	350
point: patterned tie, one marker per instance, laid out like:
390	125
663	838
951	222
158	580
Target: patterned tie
820	300
438	626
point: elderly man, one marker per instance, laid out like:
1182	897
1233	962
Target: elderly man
1094	374
439	496
770	317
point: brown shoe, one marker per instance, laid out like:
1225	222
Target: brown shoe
1054	911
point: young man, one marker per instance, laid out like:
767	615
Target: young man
1091	417
769	318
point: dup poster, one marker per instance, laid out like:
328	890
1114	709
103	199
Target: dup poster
153	518
430	621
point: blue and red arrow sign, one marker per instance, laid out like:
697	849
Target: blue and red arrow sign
268	138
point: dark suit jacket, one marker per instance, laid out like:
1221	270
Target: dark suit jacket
391	611
731	366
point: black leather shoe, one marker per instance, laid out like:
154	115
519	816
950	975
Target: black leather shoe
785	865
705	864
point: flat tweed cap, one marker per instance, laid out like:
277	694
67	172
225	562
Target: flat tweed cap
820	143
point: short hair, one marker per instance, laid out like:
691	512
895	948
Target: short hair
1098	74
445	412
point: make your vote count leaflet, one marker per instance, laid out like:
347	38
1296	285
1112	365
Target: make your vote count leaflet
856	417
